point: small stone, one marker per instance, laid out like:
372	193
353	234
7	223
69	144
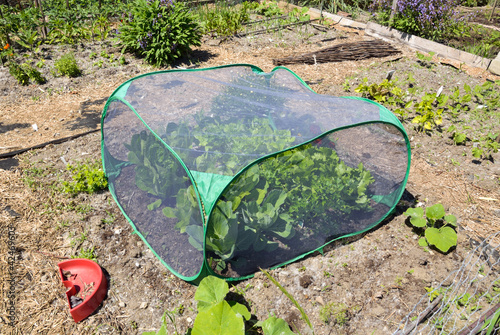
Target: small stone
139	244
379	295
122	304
117	231
189	320
137	265
143	305
320	300
497	212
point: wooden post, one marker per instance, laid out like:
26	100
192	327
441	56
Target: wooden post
44	26
493	10
393	11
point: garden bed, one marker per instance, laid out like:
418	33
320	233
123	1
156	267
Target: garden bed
378	276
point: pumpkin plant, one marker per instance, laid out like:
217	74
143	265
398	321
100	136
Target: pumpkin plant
439	228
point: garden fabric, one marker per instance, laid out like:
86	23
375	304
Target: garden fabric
225	170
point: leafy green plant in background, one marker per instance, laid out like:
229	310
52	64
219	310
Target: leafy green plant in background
216	315
223	20
67	66
87	177
439	228
161	31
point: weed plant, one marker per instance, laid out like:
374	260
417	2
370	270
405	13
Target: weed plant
67	66
87	177
25	73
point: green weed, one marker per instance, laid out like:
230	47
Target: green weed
86	177
67	66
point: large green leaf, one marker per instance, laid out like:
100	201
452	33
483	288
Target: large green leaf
212	290
416	217
276	326
240	309
220	319
435	212
443	238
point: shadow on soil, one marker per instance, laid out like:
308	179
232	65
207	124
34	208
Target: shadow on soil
89	116
8	127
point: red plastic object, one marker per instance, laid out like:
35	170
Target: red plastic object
84	279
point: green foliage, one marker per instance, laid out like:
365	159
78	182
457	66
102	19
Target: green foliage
429	111
25	73
67	66
219	316
319	186
160	31
18	72
268	9
156	170
223	20
335	313
87	177
439	228
88	253
386	93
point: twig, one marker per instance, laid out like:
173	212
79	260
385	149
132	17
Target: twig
51	255
422	316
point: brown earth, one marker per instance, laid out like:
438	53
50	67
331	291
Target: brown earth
379	275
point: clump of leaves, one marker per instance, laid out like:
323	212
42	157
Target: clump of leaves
25	72
334	313
439	228
67	66
87	178
159	30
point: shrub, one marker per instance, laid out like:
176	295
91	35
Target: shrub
431	19
66	65
159	30
24	72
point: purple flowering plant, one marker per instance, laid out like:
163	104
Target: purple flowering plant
432	19
161	31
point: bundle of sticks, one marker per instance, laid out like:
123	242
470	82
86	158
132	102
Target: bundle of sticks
342	52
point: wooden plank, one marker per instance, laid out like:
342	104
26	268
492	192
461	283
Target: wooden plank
422	44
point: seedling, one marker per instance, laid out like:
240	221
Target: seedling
439	229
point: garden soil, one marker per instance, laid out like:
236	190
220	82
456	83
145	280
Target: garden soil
377	276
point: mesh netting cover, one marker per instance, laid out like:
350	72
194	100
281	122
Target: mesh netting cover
227	170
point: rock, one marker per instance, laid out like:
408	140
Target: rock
122	304
495	66
320	300
189	320
379	295
305	281
143	305
496	212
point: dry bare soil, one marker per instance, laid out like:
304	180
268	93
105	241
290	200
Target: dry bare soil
379	276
